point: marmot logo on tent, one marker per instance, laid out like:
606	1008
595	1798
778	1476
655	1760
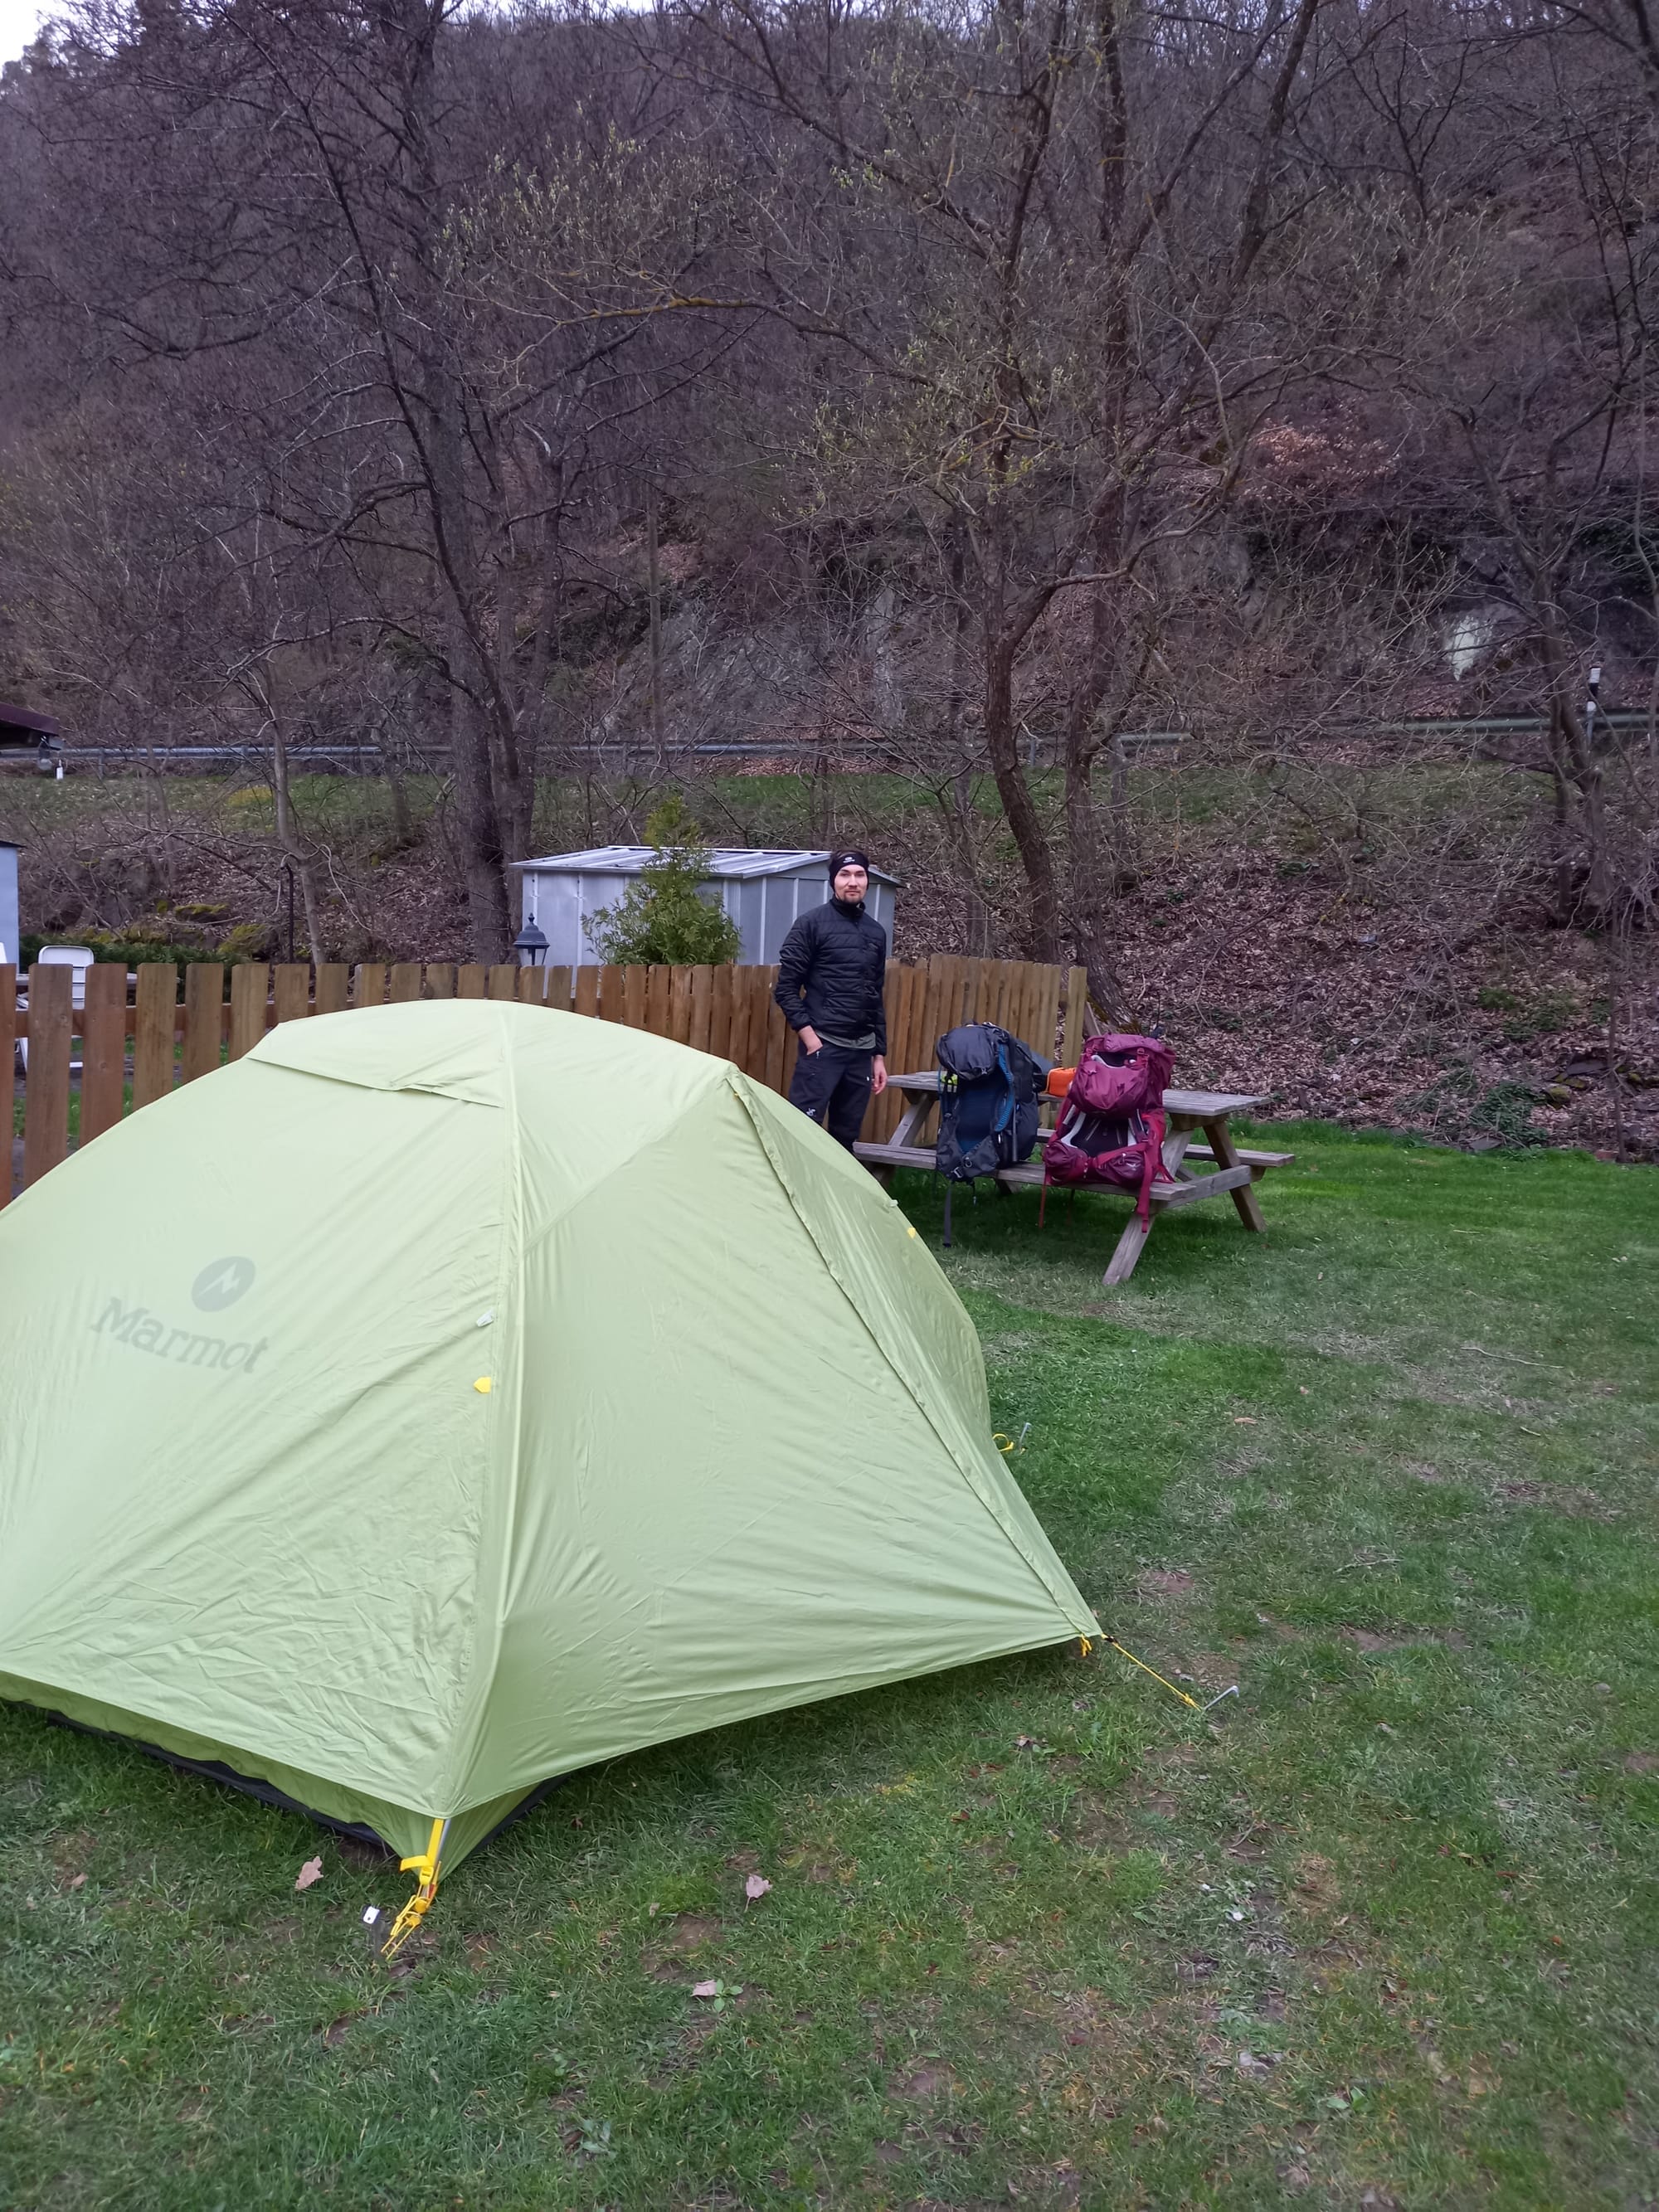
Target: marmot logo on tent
146	1332
221	1283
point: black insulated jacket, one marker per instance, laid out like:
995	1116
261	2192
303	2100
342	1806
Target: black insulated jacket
831	972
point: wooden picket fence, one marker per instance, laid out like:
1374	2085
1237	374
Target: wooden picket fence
134	1040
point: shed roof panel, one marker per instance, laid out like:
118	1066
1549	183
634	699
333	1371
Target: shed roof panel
728	860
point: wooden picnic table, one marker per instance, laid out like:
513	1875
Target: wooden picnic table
1191	1171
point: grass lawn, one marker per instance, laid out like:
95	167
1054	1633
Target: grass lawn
1381	1930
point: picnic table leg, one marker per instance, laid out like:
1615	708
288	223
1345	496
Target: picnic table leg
1178	1135
915	1113
910	1122
1130	1246
1226	1156
948	1187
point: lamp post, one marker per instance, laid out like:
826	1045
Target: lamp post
530	946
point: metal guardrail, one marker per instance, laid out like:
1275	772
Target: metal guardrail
1037	745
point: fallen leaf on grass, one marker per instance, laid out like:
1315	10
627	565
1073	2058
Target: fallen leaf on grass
310	1872
1244	1420
78	1881
757	1886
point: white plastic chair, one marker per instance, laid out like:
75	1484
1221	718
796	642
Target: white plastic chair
77	956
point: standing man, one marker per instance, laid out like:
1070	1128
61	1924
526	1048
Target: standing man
831	972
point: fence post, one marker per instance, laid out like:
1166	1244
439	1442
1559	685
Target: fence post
204	998
103	1049
46	1099
250	989
719	1011
7	1061
1077	1006
155	1019
703	994
292	991
334	986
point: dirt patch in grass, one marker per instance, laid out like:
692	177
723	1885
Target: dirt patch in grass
1315	1882
1095	1826
1570	1498
691	1931
1374	1640
921	2085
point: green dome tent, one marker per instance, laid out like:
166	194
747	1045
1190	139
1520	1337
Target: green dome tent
447	1396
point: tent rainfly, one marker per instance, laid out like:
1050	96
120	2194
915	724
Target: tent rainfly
447	1396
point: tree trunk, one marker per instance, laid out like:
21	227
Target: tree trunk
489	930
653	588
959	808
1041	931
285	832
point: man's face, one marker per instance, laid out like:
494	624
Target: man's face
851	884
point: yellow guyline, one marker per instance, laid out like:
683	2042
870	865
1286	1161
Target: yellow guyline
1192	1703
425	1864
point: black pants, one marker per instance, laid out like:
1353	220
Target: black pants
831	1086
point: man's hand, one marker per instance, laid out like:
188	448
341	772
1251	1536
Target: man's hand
878	1076
811	1041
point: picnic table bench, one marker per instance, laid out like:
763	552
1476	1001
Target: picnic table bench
1223	1167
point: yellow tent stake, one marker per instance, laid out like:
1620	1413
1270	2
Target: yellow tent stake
1156	1677
425	1865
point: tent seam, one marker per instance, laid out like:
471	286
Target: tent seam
967	1473
474	1701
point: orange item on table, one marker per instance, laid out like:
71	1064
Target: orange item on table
1060	1082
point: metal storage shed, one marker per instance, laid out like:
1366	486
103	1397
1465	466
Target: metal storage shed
762	891
8	918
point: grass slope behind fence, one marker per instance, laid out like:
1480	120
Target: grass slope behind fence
135	1042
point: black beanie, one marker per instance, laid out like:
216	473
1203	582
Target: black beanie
849	859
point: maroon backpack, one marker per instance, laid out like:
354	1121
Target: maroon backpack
1110	1129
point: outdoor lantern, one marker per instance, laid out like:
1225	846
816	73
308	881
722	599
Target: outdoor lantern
530	946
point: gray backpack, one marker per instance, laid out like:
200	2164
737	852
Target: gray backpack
989	1083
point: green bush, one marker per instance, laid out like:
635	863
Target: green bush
120	949
661	920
